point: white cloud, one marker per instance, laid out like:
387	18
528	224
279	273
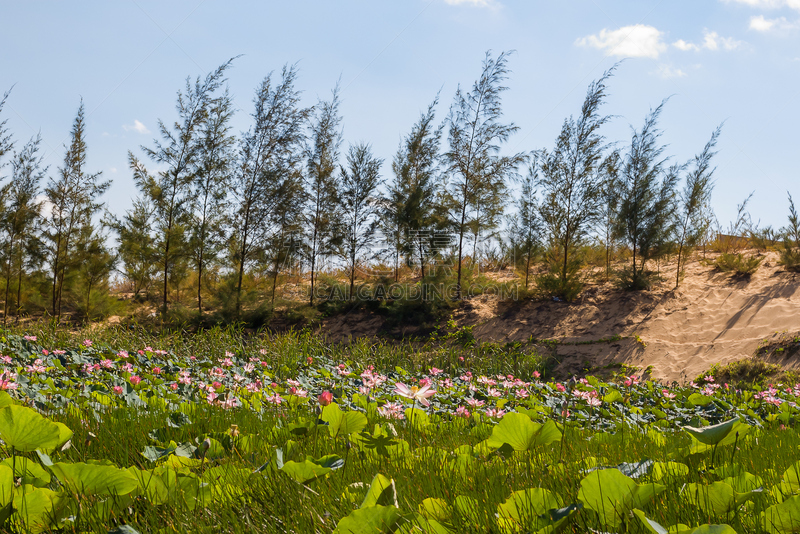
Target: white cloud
680	44
476	3
767	4
762	24
137	127
113	169
667	72
711	41
629	41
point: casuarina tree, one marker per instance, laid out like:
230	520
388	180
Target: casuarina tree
477	172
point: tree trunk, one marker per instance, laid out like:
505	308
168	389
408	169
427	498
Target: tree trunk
19	291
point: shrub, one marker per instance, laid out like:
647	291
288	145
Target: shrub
790	251
739	264
630	280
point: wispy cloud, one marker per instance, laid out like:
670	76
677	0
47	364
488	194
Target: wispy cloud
762	24
711	41
667	71
638	40
137	127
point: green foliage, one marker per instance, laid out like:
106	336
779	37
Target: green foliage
645	217
790	251
572	183
739	264
540	457
636	280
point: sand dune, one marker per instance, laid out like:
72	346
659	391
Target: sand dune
712	318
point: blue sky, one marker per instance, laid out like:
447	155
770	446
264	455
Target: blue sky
721	60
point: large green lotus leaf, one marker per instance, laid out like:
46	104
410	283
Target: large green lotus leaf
649	524
469	509
104	510
26	430
36	509
436	509
30	471
792	476
5	399
381	492
151	486
656	528
744	482
227	474
516	430
95	479
611	494
714	434
64	435
343	423
669	470
417	418
6	485
309	469
549	433
192	491
531	510
698	399
420	523
370	520
718	498
783	517
714	529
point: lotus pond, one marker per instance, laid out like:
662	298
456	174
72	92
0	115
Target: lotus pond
222	433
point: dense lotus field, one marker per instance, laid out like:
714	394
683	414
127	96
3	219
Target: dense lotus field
286	435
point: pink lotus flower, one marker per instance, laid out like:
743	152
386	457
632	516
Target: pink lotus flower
435	371
667	394
174	386
274	398
156	370
325	398
392	410
475	403
118	390
561	388
6	359
495	413
414	393
29	338
462	411
135	380
87	343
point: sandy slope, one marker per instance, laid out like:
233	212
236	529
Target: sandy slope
712	318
